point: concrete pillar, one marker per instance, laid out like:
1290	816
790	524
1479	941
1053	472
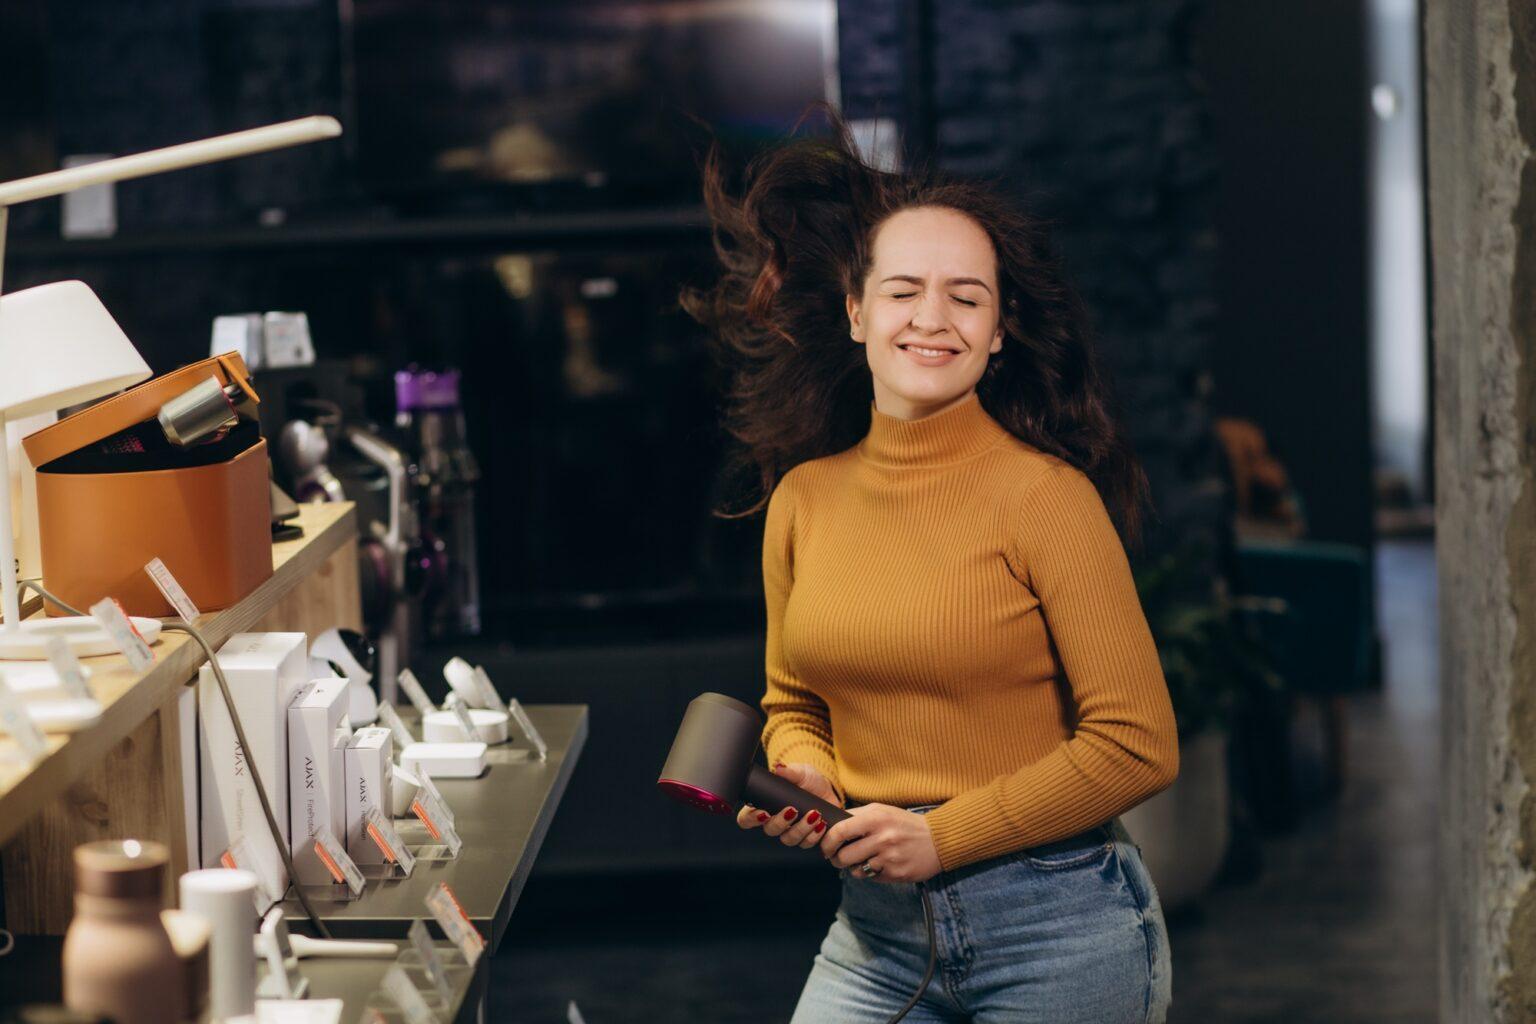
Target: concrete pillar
1480	94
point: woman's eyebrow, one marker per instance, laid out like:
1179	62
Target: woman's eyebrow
954	280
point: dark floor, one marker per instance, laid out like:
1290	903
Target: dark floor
1338	927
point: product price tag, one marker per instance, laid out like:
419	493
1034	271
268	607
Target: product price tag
412	687
485	690
110	615
450	917
13	715
391	719
68	668
172	591
520	716
461	712
399	988
382	831
430	811
421	941
431	787
337	861
242	856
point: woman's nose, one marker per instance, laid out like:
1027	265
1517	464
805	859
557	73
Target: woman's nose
928	315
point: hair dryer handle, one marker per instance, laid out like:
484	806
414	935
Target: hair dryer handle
773	793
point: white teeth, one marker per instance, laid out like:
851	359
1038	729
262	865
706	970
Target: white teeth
927	351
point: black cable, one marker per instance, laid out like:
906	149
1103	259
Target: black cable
933	957
234	717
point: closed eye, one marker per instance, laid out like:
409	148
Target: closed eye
965	302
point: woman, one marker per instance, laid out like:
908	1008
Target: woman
955	649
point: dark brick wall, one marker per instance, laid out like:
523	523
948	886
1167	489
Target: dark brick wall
132	76
1095	116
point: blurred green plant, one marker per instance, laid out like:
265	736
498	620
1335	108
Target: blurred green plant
1211	654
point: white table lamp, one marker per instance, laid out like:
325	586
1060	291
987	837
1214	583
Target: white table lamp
59	346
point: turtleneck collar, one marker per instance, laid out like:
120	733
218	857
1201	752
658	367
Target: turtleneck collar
954	435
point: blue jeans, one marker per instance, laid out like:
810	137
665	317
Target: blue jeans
1057	934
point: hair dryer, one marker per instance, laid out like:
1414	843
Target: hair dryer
712	763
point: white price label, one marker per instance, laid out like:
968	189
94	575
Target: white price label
242	856
520	716
461	712
437	794
399	988
337	861
68	668
450	917
421	941
391	719
172	591
115	621
412	687
427	808
486	690
382	831
13	715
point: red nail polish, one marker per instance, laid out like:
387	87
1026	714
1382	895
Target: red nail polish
811	818
790	814
763	815
820	825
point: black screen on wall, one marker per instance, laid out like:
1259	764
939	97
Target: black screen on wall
519	97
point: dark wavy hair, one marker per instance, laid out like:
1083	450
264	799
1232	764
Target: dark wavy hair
798	237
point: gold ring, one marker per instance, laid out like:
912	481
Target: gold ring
869	869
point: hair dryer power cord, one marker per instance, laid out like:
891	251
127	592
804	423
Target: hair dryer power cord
933	956
234	717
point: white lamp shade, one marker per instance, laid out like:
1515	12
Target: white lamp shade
59	346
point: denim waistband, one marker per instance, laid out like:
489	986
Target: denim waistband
1110	830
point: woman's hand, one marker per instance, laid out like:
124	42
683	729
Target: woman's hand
896	840
789	826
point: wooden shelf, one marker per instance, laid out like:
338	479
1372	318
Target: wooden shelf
130	698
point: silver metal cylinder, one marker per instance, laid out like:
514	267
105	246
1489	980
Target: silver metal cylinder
197	413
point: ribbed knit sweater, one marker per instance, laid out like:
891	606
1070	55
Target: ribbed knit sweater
952	620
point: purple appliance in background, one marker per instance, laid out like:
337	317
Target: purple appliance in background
445	473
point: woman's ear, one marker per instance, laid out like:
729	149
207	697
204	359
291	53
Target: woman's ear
855	319
997	342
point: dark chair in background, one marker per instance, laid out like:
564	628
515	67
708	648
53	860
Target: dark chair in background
1310	604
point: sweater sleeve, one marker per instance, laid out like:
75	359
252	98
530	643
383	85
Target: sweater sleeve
1123	746
799	726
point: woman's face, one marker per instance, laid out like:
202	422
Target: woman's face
929	315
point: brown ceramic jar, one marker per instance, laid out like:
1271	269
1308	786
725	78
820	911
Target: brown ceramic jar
118	958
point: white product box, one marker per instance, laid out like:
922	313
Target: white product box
315	787
265	671
368	782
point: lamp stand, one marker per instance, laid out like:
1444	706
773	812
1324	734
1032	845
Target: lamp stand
10	599
28	641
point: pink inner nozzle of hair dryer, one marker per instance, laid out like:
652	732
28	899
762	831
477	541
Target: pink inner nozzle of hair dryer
700	798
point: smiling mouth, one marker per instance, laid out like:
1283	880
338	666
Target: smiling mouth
924	350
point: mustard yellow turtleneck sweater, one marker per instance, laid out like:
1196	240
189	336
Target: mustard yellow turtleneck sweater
952	620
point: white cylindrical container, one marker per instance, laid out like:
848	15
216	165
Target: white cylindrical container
226	899
444	727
